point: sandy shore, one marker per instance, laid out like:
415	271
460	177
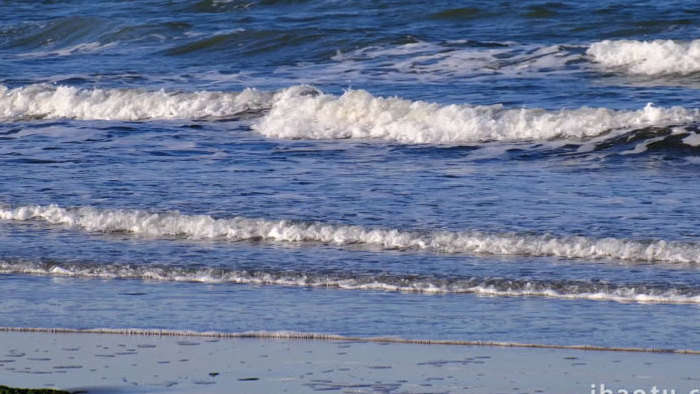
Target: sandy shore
144	363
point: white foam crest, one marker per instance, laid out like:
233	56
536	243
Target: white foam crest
482	287
622	295
44	101
146	223
655	57
302	112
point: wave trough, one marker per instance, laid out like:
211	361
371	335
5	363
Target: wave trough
169	224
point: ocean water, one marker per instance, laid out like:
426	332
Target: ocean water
513	171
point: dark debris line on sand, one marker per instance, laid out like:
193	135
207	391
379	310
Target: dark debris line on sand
15	390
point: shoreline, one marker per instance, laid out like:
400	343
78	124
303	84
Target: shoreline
313	336
111	362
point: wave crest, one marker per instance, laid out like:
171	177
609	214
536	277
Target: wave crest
656	57
302	112
493	287
44	101
170	224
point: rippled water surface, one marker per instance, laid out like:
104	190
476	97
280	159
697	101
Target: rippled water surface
520	172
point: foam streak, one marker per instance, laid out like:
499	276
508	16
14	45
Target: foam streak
331	337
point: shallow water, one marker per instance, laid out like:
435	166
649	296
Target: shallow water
444	172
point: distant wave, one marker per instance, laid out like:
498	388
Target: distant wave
445	62
430	62
648	57
498	287
44	101
145	223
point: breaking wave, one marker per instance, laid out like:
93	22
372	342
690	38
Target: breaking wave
306	113
648	57
44	101
174	224
423	284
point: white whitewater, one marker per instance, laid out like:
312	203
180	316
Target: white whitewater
144	223
303	112
45	101
655	57
490	287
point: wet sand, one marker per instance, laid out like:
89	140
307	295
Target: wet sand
103	363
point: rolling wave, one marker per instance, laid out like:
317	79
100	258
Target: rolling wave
497	287
656	57
44	101
303	112
174	224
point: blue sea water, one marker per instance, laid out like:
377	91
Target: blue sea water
512	171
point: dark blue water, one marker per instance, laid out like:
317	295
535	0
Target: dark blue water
446	170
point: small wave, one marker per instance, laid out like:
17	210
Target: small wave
305	113
43	101
144	223
60	33
86	47
494	287
457	14
319	336
241	42
656	57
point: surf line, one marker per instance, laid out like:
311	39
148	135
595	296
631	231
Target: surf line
297	335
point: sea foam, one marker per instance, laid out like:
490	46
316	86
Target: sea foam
648	57
174	224
303	112
44	101
492	287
